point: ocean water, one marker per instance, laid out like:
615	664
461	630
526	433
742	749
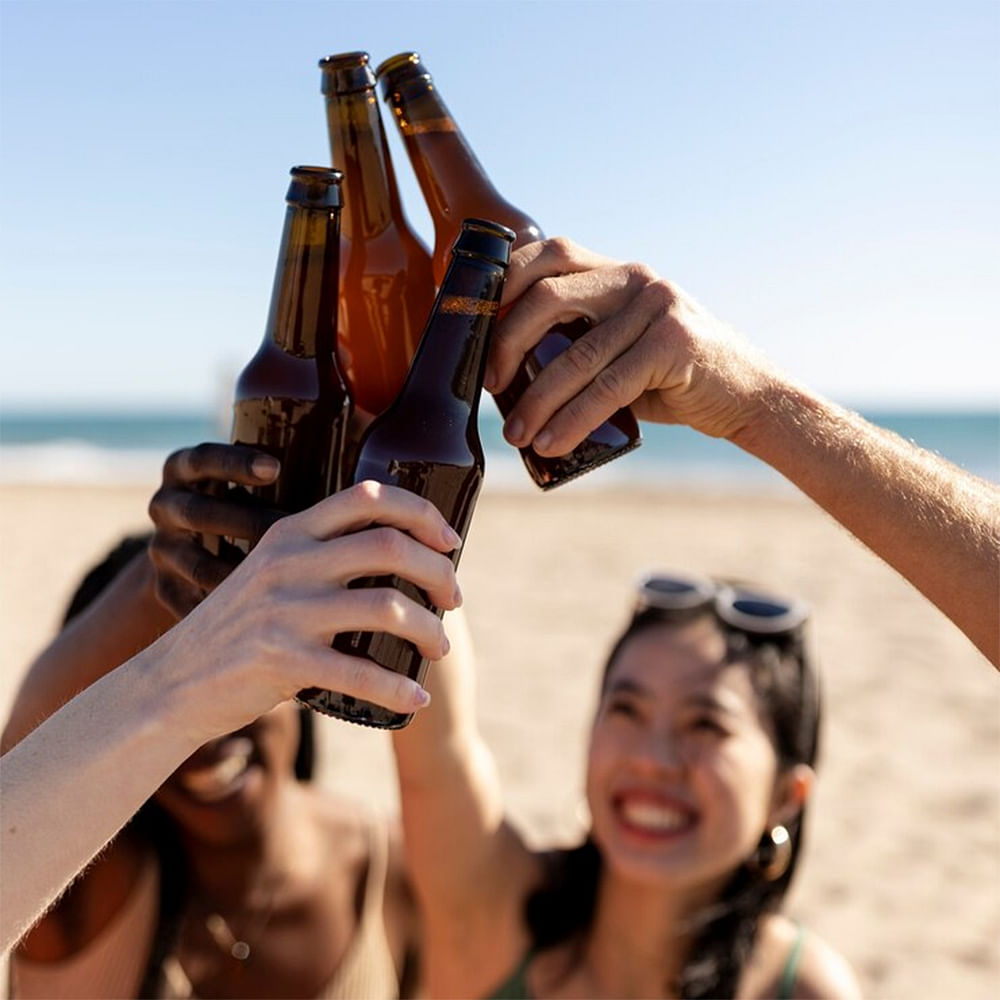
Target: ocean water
121	448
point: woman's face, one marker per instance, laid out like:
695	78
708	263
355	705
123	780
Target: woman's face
682	772
224	791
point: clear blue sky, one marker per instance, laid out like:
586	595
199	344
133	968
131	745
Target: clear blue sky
823	175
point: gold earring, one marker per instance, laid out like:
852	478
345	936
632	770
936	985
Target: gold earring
773	855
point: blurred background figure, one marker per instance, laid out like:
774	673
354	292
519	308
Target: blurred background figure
239	875
698	771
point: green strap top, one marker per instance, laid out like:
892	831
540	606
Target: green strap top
515	986
786	985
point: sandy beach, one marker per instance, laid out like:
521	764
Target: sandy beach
902	871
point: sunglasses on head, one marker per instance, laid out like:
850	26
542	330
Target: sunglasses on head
741	606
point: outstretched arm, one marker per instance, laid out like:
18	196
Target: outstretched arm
653	347
264	634
469	867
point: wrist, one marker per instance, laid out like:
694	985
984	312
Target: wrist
170	692
776	409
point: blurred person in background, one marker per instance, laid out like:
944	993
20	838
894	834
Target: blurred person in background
239	877
71	784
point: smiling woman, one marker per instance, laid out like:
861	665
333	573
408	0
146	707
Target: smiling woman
239	877
699	768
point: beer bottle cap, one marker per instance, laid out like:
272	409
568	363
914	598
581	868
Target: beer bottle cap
346	73
315	187
483	238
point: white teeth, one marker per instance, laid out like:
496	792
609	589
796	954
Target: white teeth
209	784
655	818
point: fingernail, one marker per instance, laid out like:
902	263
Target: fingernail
452	537
422	697
513	430
490	380
542	440
447	646
265	467
457	597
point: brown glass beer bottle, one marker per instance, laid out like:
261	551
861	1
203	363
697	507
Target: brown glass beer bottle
386	282
428	440
455	185
291	399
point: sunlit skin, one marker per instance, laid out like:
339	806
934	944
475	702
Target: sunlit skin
683	777
224	793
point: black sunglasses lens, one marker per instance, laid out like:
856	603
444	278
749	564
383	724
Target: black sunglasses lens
661	585
759	608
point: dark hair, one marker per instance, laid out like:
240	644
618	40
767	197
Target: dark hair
152	822
562	907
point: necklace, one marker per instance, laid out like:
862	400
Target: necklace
222	934
238	946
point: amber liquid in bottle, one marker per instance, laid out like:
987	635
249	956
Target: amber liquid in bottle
291	399
428	441
455	185
386	282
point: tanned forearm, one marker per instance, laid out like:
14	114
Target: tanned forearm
935	524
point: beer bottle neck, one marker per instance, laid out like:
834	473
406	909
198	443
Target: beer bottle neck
453	181
450	362
303	302
359	149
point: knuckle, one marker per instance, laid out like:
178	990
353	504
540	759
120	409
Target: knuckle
583	355
659	297
389	542
561	249
204	573
546	292
155	509
158	550
199	459
190	510
640	275
357	674
261	522
278	534
390	607
174	460
368	492
608	386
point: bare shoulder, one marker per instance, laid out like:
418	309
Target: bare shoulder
90	903
787	951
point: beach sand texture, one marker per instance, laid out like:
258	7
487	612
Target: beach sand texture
902	871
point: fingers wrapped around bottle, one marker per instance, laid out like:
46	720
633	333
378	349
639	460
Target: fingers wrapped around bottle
610	366
195	502
277	614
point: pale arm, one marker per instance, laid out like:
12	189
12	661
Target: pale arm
82	774
124	619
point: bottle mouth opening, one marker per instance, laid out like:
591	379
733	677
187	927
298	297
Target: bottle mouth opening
347	73
341	60
490	227
315	187
397	62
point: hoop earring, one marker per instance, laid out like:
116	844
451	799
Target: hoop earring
773	855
